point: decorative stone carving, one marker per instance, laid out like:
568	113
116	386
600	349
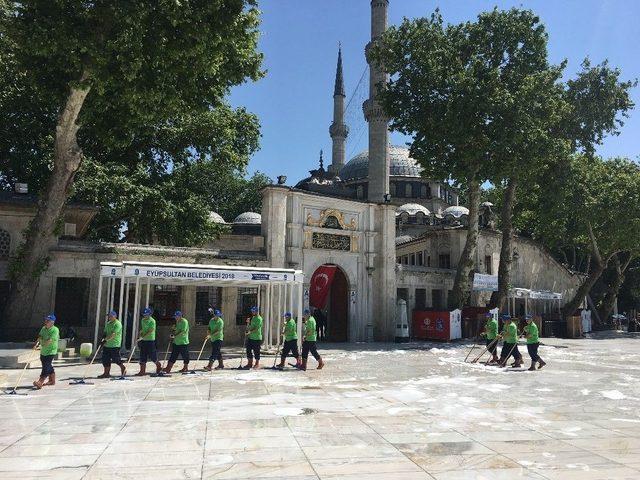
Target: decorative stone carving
329	241
331	218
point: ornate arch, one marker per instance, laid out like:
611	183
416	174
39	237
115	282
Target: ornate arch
5	244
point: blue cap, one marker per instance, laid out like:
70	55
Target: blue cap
177	314
306	311
505	316
528	316
51	317
112	313
146	311
488	314
217	313
287	315
254	309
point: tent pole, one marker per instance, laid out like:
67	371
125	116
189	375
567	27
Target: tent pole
136	312
113	293
146	302
126	314
97	327
122	280
298	293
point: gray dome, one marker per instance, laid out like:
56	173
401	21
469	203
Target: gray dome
412	209
401	165
456	212
216	218
248	218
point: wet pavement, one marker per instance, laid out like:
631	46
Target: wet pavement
377	411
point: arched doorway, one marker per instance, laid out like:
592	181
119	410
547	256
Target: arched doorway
333	302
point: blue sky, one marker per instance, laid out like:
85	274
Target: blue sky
300	41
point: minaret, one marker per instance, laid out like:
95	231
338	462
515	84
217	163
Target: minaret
338	129
378	122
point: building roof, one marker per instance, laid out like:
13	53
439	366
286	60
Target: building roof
401	165
248	218
456	211
412	209
216	218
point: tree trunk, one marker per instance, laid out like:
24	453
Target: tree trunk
41	234
611	295
598	265
461	291
504	269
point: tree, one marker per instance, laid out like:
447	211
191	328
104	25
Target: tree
455	89
111	80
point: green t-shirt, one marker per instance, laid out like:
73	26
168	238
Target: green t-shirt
148	325
290	332
216	324
532	333
491	329
255	324
182	332
310	333
113	328
49	340
511	333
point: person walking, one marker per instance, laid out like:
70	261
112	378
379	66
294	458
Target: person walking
215	333
48	338
290	346
309	340
180	344
254	339
147	342
510	344
533	342
490	333
112	342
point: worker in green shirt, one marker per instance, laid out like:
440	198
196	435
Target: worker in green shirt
510	344
215	333
180	344
533	342
490	333
290	341
48	338
112	341
254	339
147	343
309	340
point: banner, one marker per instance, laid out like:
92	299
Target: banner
485	283
321	285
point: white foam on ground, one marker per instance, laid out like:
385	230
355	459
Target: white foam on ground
612	394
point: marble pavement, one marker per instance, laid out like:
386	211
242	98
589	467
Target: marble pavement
377	411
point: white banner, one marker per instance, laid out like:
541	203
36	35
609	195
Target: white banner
485	283
110	271
199	274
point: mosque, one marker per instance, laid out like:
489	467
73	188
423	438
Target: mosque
376	229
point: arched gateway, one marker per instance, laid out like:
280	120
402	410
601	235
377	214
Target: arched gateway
329	293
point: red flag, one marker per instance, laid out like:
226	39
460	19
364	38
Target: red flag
321	285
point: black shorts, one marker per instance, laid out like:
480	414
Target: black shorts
532	348
508	350
111	355
216	353
179	350
290	347
47	365
253	349
148	351
309	347
492	346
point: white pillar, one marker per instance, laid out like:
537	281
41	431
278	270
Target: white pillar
126	315
298	293
136	311
113	293
98	306
146	302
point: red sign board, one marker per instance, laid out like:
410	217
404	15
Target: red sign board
431	325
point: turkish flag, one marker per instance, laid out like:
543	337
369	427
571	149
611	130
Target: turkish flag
321	285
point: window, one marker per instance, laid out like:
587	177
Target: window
360	192
402	293
488	264
247	298
398	260
5	289
207	297
5	245
419	259
428	259
408	191
72	300
392	189
436	299
166	300
423	191
421	298
412	258
405	260
444	260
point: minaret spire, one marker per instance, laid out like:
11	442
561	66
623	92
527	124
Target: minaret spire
373	113
338	129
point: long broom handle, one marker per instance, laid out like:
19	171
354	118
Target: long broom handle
279	347
86	370
35	347
495	340
513	348
166	354
201	350
472	348
133	349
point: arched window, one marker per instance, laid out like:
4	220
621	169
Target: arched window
420	218
392	189
423	191
360	192
5	244
408	190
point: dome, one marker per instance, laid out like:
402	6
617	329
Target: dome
412	209
215	218
248	218
486	204
403	239
401	165
456	212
